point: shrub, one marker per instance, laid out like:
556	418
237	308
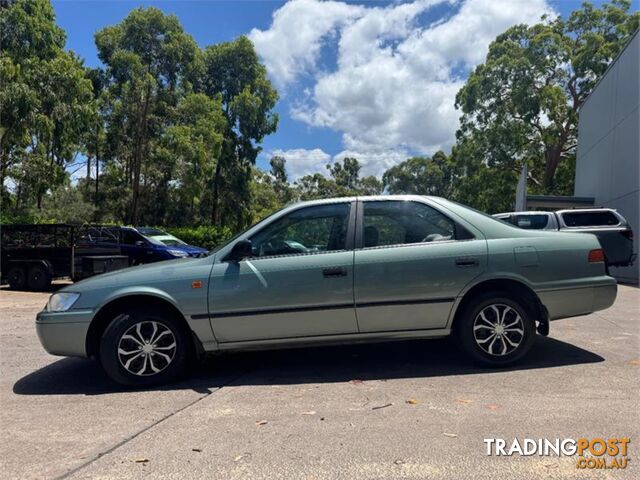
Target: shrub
203	236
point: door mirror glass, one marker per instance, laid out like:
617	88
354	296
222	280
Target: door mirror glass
241	250
139	243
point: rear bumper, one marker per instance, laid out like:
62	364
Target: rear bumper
571	302
64	333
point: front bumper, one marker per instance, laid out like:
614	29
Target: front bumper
64	333
571	302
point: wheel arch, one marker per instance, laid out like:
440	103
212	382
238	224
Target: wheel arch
108	310
517	289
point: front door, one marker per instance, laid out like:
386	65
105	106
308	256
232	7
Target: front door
411	264
298	283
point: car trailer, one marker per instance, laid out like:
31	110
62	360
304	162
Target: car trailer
31	256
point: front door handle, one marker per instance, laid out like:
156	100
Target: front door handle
465	262
331	272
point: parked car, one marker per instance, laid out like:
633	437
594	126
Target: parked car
147	245
32	255
332	271
611	228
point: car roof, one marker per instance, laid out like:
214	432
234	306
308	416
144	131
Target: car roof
533	212
362	198
588	210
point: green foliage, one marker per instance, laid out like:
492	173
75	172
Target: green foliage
423	176
46	104
65	205
205	236
147	58
521	105
233	72
344	181
174	131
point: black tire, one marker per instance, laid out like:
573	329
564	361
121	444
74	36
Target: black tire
17	278
496	351
114	362
38	278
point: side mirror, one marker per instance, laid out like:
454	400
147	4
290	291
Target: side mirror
241	250
140	243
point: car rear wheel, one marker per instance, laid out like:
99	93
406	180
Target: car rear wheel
38	278
496	330
17	278
145	347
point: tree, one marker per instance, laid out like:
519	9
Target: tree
344	181
232	71
190	150
147	57
521	105
280	180
45	102
422	176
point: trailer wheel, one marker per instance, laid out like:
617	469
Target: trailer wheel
38	278
17	277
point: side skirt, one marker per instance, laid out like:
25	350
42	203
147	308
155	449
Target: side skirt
323	340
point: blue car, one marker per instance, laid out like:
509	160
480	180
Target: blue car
147	245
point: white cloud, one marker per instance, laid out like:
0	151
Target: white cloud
292	44
393	87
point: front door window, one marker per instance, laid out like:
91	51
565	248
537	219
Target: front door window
309	230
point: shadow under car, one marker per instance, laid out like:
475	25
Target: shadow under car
326	364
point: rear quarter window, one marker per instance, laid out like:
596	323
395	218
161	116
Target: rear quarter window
589	219
531	222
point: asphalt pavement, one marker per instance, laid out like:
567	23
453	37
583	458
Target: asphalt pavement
378	411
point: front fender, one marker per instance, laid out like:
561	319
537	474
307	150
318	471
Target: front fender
137	290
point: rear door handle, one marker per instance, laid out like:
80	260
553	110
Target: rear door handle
331	272
465	262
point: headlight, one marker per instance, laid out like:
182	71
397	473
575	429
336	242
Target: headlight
178	253
61	302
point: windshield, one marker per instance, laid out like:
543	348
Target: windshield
166	239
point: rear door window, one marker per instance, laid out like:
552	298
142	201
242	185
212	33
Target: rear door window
589	219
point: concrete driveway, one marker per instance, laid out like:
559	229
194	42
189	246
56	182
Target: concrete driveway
393	410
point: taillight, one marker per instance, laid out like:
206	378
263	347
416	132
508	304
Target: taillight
628	234
596	256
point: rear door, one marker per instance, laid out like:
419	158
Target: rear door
411	262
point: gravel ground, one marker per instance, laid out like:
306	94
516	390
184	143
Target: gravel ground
393	410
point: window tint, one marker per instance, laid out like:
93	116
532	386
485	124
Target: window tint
589	219
398	222
308	230
130	237
530	222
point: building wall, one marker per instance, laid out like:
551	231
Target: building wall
608	159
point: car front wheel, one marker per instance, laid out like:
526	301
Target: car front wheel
144	347
496	330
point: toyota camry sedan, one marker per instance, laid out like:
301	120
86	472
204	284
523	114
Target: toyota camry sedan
335	271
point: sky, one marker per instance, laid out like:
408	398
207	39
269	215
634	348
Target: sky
373	80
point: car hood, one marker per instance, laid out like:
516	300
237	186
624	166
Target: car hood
185	248
134	275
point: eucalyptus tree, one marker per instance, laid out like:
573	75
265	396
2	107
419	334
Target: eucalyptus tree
46	102
146	56
521	105
233	72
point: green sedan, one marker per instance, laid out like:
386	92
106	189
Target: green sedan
335	271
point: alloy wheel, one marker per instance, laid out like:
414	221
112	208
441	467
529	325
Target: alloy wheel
147	348
498	329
